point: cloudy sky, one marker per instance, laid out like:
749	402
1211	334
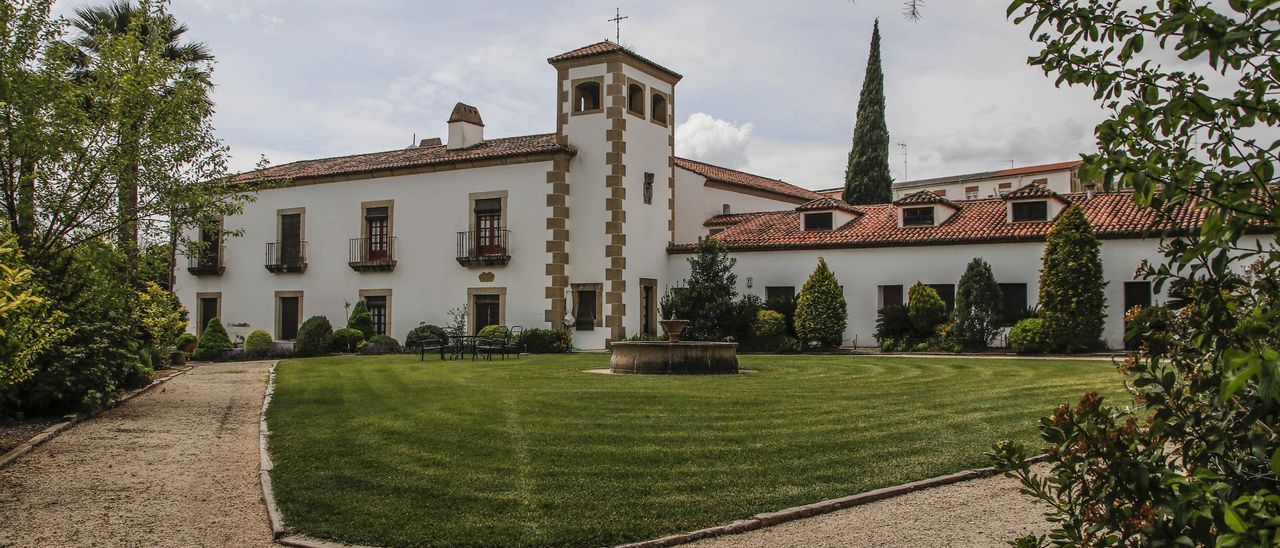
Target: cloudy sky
769	87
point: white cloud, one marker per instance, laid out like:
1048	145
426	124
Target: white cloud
706	138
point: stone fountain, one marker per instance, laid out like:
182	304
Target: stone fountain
674	357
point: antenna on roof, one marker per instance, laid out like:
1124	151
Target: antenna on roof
903	146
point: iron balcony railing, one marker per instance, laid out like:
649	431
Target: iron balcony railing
207	262
367	254
286	256
484	247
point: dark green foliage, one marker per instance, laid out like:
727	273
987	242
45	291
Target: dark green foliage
184	339
1072	302
153	265
1197	462
767	332
381	344
1148	327
787	307
214	342
707	300
893	323
361	320
926	309
867	179
821	311
424	332
740	326
546	341
315	337
383	339
979	306
346	339
258	343
1030	337
493	332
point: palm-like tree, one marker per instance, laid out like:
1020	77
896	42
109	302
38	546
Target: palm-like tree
97	24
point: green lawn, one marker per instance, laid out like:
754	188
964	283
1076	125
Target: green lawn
385	450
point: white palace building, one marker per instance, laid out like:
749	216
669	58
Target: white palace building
583	228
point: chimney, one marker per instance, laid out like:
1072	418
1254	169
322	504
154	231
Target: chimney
465	127
432	142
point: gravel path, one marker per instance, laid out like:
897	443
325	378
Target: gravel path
982	512
177	466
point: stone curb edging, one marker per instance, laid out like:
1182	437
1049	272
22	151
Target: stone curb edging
48	433
767	519
278	530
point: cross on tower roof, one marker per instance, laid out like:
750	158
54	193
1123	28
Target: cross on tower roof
617	22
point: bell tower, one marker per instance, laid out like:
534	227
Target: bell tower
617	109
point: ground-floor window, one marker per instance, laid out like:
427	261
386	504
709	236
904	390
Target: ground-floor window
648	306
487	307
1135	294
948	294
288	314
209	306
585	312
1015	302
377	306
890	295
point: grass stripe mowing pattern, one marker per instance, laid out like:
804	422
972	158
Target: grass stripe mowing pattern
535	452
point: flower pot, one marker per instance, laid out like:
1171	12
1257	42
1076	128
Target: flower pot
177	357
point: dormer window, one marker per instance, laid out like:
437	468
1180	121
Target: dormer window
823	220
1030	211
917	216
586	96
635	99
658	108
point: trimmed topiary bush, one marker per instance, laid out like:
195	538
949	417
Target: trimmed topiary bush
979	307
361	320
493	332
381	344
926	310
1029	336
258	343
893	323
213	342
769	324
346	339
424	332
546	341
383	339
315	337
186	342
1072	301
821	311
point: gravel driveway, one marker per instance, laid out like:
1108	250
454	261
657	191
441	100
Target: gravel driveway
982	512
177	466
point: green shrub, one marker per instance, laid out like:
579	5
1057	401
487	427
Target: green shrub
821	312
1029	336
926	310
424	332
315	337
162	317
1072	299
361	320
346	339
790	345
893	323
1148	328
383	339
546	341
707	300
381	344
258	343
979	307
213	342
769	324
493	332
184	340
787	307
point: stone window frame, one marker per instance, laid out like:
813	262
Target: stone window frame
665	121
200	296
473	197
573	95
276	304
302	222
380	293
644	98
391	216
656	313
598	288
501	292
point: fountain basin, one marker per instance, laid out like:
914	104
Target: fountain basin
681	358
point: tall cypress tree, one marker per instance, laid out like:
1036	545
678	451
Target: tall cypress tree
867	180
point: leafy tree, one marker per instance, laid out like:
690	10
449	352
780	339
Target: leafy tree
315	337
706	301
361	320
866	179
979	305
1198	461
926	309
213	342
161	315
28	325
1072	301
821	311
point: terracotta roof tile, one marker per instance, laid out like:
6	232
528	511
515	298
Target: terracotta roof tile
925	197
729	219
419	156
604	48
1113	215
824	204
1034	191
981	175
746	180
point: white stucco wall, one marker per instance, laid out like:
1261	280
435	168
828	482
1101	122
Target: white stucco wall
695	203
862	271
1058	181
430	209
